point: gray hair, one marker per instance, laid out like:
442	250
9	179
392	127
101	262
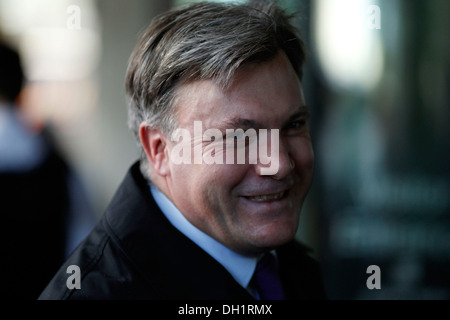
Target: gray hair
201	41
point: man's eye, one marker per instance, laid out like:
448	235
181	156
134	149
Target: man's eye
297	124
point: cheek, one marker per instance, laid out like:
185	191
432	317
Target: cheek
183	182
218	189
182	173
303	156
214	198
198	179
225	177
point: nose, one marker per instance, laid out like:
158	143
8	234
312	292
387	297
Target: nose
281	163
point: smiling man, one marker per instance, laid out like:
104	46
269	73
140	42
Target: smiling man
208	230
235	204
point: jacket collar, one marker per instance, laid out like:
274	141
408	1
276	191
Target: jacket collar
171	263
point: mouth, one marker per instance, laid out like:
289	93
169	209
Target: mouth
268	197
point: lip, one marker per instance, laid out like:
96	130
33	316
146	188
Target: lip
267	207
268	197
265	190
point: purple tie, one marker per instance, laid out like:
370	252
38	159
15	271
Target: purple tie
266	279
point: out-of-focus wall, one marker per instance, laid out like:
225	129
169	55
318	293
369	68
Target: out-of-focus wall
75	55
107	148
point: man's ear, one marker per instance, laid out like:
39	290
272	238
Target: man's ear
155	147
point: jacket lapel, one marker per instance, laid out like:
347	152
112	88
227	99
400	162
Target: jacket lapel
171	263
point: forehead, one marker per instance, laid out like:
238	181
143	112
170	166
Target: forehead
265	93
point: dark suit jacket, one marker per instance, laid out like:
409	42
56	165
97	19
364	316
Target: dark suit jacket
135	253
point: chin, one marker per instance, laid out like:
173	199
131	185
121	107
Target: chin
275	236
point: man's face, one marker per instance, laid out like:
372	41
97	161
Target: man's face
234	203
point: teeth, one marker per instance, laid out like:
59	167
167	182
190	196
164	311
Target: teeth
267	197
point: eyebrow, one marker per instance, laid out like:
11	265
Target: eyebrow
242	123
302	111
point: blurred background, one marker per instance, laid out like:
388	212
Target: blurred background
377	80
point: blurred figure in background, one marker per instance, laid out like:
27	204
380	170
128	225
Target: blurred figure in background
44	210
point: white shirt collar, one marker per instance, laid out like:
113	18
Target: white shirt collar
239	266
